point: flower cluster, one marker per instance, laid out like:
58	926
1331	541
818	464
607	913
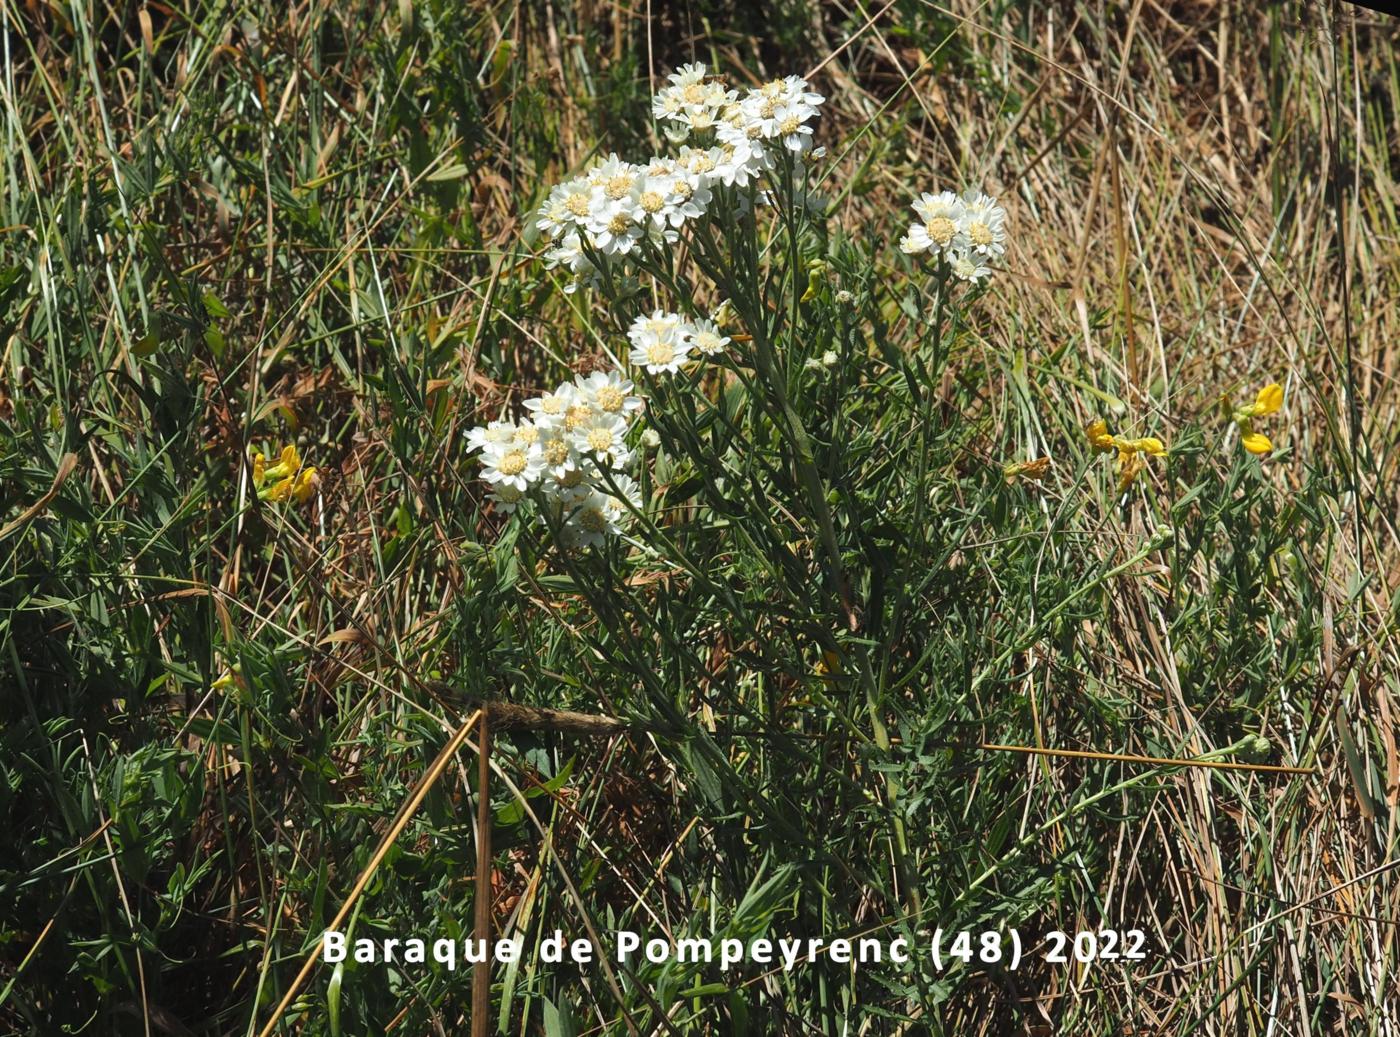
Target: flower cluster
285	479
573	448
1268	401
615	207
663	342
967	232
1132	453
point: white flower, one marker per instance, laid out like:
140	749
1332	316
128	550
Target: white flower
667	104
652	201
496	433
829	358
547	410
700	163
690	101
624	495
608	393
613	227
661	343
558	453
661	355
795	88
688	75
603	438
578	413
707	337
507	498
792	128
614	176
568	205
941	215
516	465
916	241
569	253
651	438
567	487
659	324
983	224
591	520
744	157
969	266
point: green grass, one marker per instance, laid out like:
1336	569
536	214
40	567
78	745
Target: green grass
223	228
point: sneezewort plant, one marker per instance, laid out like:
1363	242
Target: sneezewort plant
720	293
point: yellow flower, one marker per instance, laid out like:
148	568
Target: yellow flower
1147	445
1130	451
286	479
1256	442
287	465
1268	400
1130	466
1097	433
305	484
829	665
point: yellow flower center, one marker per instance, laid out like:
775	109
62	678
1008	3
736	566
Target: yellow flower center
619	223
652	202
683	188
707	342
551	404
600	439
512	463
980	233
556	452
593	520
526	434
610	398
694	93
577	416
571	479
577	204
789	125
660	353
941	229
618	186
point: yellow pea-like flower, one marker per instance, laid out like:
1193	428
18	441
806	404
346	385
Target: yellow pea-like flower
1256	442
305	484
1097	434
1130	466
1131	452
1147	445
287	465
287	479
1269	400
